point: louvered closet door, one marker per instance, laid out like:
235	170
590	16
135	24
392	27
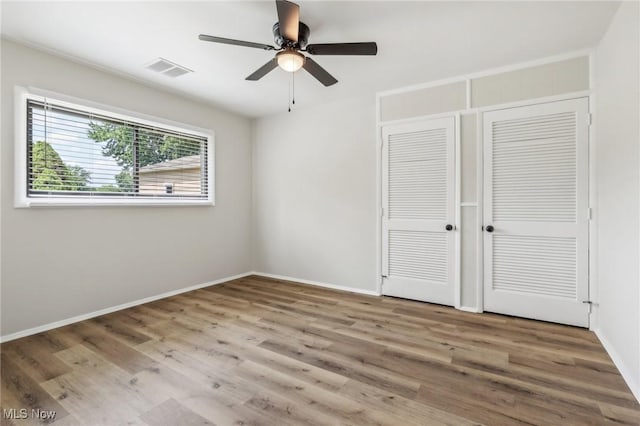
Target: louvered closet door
418	203
536	200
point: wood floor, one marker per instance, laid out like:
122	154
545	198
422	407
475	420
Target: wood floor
261	351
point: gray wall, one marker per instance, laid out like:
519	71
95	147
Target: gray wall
314	181
551	79
61	262
617	213
430	100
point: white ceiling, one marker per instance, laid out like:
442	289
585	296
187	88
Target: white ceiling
417	42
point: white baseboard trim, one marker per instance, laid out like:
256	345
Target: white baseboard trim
319	284
61	323
632	381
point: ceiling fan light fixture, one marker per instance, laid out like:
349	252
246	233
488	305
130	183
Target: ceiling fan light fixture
290	60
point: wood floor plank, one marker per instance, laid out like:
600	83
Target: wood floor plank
96	381
25	393
407	410
305	372
35	359
198	368
112	324
345	366
295	295
436	350
224	411
95	338
318	401
171	413
262	351
619	416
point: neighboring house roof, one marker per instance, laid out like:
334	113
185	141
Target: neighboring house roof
190	162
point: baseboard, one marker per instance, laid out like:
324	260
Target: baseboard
319	284
61	323
632	381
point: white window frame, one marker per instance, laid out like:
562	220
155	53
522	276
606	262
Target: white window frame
21	197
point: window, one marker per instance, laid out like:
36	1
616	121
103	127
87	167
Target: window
76	154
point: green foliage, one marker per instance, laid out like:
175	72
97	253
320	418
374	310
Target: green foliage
48	180
50	173
45	157
78	178
153	147
108	188
124	181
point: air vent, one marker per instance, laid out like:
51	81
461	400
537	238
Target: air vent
176	72
167	68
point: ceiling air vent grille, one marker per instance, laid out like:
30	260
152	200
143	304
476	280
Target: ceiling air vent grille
167	68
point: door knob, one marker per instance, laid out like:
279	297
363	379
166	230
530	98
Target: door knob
449	227
489	228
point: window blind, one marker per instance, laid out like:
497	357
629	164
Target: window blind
76	153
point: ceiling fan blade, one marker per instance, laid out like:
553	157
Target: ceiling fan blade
263	70
233	42
318	72
288	19
368	48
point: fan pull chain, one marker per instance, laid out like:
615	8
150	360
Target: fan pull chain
289	99
292	91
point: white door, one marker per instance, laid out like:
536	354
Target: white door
418	207
536	211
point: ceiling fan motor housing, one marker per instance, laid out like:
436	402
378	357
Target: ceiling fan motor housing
303	37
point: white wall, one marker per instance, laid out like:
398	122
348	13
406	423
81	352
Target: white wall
314	183
617	159
61	262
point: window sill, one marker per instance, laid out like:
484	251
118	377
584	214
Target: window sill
71	202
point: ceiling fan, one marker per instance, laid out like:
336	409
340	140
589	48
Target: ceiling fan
291	37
